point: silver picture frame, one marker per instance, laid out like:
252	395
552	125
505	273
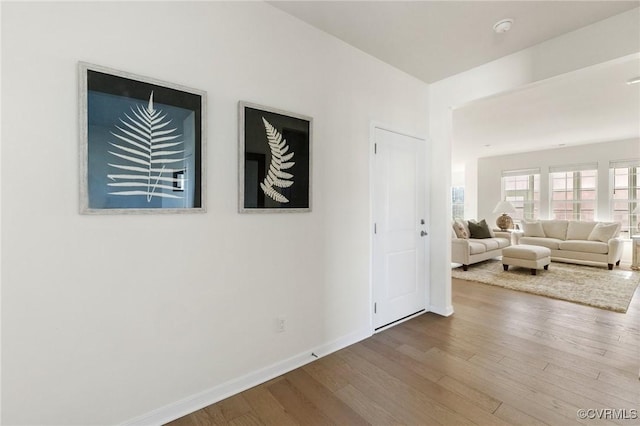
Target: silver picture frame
143	144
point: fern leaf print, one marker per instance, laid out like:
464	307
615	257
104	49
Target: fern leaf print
147	153
280	160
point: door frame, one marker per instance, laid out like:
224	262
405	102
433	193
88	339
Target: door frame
372	129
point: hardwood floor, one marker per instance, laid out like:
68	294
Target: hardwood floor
503	358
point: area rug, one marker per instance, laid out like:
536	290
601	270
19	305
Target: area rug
587	285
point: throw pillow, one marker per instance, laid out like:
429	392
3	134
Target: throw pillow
484	224
461	232
479	230
603	232
533	229
555	228
579	230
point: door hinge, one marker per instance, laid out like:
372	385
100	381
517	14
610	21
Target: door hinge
375	148
375	228
375	308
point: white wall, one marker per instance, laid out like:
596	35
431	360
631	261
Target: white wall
94	329
490	172
605	40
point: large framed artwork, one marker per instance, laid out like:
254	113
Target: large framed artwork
142	144
274	160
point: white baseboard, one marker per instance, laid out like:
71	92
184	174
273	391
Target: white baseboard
203	399
444	311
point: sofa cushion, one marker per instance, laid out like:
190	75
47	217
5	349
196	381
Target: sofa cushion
552	243
489	243
533	229
460	229
476	247
479	230
597	247
603	231
578	230
555	228
503	242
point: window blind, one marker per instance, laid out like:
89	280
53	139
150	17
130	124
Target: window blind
624	164
521	172
573	168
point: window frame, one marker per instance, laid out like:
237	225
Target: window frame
629	220
577	191
457	206
528	206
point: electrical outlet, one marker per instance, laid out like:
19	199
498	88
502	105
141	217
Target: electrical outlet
280	324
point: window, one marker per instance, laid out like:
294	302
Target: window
522	189
574	192
457	202
625	194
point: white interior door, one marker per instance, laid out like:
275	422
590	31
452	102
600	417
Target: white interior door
400	227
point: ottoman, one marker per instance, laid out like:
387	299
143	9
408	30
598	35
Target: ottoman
533	257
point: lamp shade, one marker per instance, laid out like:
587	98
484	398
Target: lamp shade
504	207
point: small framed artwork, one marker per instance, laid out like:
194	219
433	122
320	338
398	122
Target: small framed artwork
142	144
274	160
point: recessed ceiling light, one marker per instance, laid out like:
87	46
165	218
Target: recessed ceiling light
634	80
503	26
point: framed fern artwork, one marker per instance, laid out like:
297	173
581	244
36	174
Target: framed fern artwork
142	144
274	160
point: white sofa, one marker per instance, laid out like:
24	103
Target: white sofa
468	251
575	241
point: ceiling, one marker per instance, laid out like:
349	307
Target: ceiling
432	40
586	106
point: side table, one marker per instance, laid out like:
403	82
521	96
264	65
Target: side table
635	252
515	234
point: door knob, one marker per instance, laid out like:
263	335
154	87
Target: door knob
423	233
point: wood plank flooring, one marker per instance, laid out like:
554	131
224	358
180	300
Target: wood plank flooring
503	358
